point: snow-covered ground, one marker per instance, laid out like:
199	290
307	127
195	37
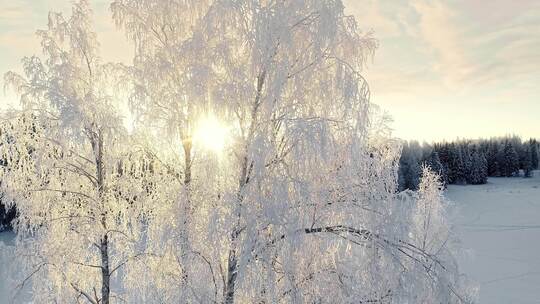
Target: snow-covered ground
500	225
8	266
6	247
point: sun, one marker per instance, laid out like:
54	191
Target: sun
211	134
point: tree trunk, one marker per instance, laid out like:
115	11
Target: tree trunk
105	271
97	146
228	292
187	162
232	261
185	245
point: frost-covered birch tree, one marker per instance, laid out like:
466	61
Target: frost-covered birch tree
300	205
431	233
171	86
79	185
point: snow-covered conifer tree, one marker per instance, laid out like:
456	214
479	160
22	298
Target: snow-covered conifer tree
492	156
478	172
457	174
435	165
409	167
527	160
535	156
511	159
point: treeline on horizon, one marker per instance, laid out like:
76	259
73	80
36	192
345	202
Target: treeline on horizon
457	162
468	161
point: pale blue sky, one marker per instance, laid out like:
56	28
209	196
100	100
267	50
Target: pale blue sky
444	69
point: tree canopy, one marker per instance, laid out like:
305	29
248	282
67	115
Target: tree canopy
299	204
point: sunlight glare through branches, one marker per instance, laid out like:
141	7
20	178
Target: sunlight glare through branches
211	134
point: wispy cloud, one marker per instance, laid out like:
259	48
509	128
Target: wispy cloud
437	27
476	53
464	52
432	53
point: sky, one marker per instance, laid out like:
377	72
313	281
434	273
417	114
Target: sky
443	69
